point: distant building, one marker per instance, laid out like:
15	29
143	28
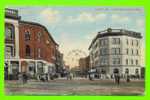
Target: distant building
29	47
59	62
84	65
116	51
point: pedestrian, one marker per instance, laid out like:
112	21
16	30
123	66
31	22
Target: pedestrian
25	78
68	76
91	76
115	77
71	76
46	77
128	79
118	79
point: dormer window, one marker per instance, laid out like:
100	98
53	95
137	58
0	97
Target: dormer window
109	30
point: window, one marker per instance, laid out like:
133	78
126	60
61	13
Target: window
39	36
127	51
103	61
28	52
103	71
27	35
137	43
132	42
136	62
103	51
9	32
136	71
116	61
127	41
137	52
116	70
126	71
126	61
132	51
132	61
9	51
103	42
116	41
115	50
31	67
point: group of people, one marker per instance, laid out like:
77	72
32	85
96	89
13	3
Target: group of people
23	77
117	77
69	76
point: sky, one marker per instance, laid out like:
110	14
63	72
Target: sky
73	28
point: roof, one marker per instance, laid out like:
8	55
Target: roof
115	32
37	24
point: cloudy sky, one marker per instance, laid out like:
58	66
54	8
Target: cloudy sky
75	27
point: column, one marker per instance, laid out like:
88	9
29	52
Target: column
16	40
19	66
36	67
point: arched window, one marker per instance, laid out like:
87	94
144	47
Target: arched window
103	71
136	71
28	51
116	70
126	71
9	31
27	35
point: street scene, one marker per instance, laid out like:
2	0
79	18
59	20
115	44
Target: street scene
74	51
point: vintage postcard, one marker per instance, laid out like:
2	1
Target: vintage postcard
56	50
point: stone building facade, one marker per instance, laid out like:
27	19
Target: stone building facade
116	51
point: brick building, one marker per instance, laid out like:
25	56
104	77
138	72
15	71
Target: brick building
84	65
29	47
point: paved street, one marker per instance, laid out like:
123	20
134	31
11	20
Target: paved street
75	87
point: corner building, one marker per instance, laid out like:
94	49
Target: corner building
37	48
29	47
116	51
